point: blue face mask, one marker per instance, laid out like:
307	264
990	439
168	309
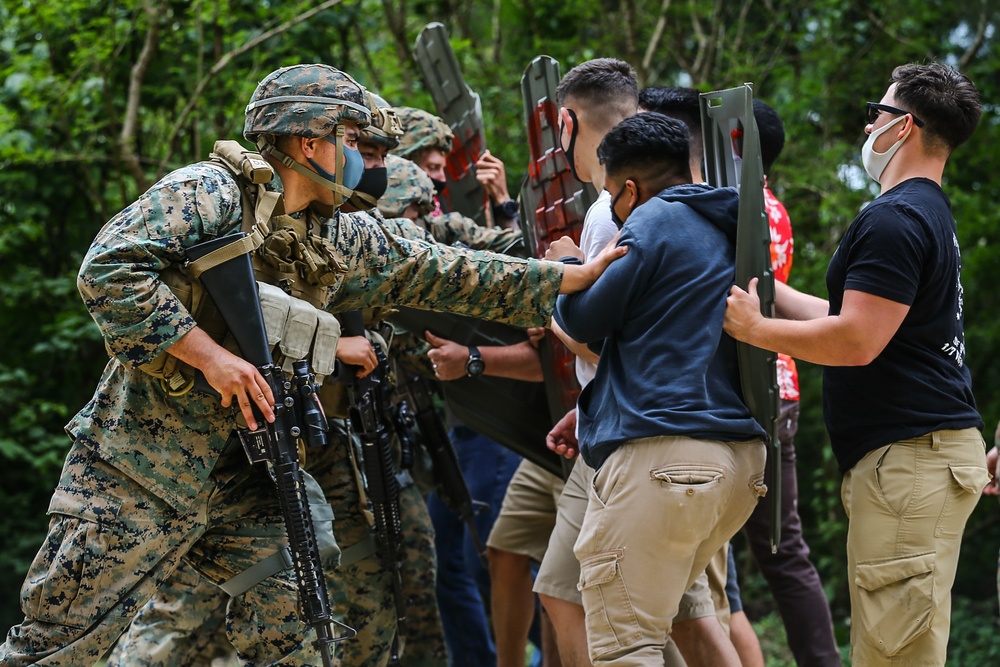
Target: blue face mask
354	167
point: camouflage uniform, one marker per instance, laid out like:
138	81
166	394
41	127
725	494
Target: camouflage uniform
150	479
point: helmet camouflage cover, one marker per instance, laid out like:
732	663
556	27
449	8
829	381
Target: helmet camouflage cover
385	129
408	184
305	100
422	130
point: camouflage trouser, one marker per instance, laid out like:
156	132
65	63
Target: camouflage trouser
112	544
184	624
360	593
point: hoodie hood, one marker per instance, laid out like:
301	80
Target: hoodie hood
720	206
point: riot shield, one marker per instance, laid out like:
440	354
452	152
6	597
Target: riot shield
553	204
462	110
732	157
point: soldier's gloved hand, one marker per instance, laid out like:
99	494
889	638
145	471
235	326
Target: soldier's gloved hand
447	357
564	246
357	351
562	438
228	374
492	175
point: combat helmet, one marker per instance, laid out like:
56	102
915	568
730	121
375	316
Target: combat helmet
385	129
310	101
422	130
408	184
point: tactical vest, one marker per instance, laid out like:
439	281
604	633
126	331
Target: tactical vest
294	267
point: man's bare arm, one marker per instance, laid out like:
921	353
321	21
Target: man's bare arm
855	337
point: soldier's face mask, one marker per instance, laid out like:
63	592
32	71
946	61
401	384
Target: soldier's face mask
439	186
373	184
573	127
354	165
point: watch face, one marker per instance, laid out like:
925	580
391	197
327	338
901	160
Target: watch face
475	367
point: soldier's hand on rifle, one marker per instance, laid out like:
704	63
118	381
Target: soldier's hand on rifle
491	174
357	351
447	357
562	438
227	373
578	277
564	246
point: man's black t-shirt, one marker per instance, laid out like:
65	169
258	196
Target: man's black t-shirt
902	247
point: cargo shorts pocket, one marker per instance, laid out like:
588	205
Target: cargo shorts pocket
896	600
966	483
611	622
72	578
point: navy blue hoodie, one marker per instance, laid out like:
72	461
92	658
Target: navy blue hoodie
666	366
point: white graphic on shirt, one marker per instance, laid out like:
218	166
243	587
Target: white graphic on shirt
956	348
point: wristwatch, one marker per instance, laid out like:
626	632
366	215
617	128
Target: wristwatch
508	209
474	365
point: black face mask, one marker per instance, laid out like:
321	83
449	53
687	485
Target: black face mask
570	154
372	185
439	186
614	216
373	182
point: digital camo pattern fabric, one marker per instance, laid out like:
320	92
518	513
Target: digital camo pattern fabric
386	269
422	130
306	101
112	543
406	184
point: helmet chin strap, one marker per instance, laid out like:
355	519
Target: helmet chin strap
340	193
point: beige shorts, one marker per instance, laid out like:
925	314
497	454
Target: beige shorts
528	512
559	573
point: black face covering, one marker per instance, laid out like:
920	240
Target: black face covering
439	186
570	155
373	182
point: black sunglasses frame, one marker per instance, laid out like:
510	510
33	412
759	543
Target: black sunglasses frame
872	109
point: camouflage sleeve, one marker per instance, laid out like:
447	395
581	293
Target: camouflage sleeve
452	228
119	280
390	270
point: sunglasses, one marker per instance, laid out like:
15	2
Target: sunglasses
872	110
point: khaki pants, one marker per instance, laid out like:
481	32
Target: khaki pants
659	509
907	504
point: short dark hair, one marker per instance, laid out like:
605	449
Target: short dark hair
681	103
648	146
944	98
771	131
605	86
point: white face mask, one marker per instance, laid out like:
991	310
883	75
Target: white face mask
875	162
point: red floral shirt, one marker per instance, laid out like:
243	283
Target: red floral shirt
782	246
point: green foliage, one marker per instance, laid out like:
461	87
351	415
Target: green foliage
66	68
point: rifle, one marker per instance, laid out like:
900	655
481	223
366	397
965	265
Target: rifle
297	416
367	418
450	483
